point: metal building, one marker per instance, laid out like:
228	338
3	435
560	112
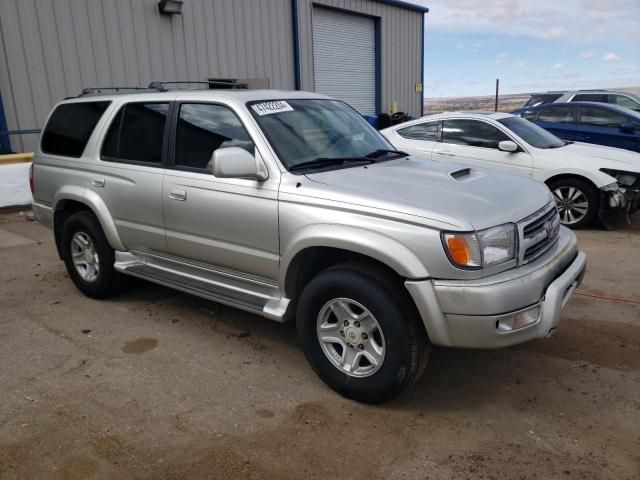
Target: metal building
366	52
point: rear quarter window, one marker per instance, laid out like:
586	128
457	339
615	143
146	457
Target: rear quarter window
70	126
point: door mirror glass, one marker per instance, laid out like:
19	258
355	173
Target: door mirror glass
236	162
508	146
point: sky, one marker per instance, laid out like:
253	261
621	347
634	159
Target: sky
531	45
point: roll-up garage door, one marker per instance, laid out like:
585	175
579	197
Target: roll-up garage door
344	58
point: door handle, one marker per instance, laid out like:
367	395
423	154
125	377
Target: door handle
97	182
446	153
178	194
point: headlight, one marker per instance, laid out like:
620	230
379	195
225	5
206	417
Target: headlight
624	178
482	249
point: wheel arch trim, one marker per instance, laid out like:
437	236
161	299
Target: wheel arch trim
377	246
93	201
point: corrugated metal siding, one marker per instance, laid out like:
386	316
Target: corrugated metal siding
344	58
401	49
54	48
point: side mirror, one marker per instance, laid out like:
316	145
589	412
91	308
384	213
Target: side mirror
627	128
508	146
236	162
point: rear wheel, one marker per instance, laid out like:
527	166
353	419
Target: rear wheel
577	201
361	334
88	256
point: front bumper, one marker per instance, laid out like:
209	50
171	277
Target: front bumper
469	314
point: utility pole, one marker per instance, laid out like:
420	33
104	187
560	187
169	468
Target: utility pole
497	88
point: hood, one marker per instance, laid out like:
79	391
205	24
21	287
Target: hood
463	198
605	157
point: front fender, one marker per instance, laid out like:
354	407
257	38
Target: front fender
97	206
365	242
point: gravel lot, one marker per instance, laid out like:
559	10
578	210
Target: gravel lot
158	384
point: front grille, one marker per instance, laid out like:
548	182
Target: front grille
539	233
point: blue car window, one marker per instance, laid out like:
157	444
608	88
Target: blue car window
601	117
556	114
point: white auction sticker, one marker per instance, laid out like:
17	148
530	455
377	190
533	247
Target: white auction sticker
267	108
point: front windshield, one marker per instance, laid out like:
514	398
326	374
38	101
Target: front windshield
531	133
305	130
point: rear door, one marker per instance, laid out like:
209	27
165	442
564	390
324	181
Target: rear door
417	139
559	120
224	223
129	178
603	126
475	142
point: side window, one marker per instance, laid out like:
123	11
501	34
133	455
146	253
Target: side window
136	133
202	129
423	131
601	117
590	97
70	126
624	101
556	114
473	133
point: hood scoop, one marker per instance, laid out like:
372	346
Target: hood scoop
465	175
463	172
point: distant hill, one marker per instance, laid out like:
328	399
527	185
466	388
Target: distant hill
506	103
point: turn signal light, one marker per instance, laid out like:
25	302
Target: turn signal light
459	250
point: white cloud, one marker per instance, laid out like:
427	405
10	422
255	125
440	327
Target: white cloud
557	66
555	32
588	54
611	57
520	64
590	19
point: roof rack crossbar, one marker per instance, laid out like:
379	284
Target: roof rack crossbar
210	83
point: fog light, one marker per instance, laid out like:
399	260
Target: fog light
518	320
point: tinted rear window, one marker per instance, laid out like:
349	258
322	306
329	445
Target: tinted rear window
70	126
136	133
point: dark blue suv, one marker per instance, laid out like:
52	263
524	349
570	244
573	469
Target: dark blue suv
588	122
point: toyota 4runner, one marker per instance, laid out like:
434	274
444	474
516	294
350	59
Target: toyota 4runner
289	205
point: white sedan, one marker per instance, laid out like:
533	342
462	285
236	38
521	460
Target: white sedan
586	180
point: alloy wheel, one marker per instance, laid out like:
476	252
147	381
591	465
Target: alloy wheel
351	337
84	257
572	204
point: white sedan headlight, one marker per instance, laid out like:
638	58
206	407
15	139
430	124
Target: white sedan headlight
482	249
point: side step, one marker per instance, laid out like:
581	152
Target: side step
200	288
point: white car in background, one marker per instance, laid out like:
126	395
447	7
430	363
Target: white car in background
586	180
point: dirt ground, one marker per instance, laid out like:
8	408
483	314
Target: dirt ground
157	384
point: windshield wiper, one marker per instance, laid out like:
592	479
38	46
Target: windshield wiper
327	162
382	152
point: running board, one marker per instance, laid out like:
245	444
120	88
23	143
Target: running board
268	306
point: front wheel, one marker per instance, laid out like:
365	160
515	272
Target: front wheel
361	333
577	201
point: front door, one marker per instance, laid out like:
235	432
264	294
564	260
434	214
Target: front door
475	143
225	223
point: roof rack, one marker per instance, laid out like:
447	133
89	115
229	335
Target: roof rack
105	90
160	87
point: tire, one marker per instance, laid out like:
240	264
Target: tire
572	195
405	349
100	282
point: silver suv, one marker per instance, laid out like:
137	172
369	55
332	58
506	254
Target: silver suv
623	99
289	205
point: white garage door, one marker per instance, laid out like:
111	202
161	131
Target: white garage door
344	58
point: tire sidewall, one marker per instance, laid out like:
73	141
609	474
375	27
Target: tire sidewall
87	223
399	337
